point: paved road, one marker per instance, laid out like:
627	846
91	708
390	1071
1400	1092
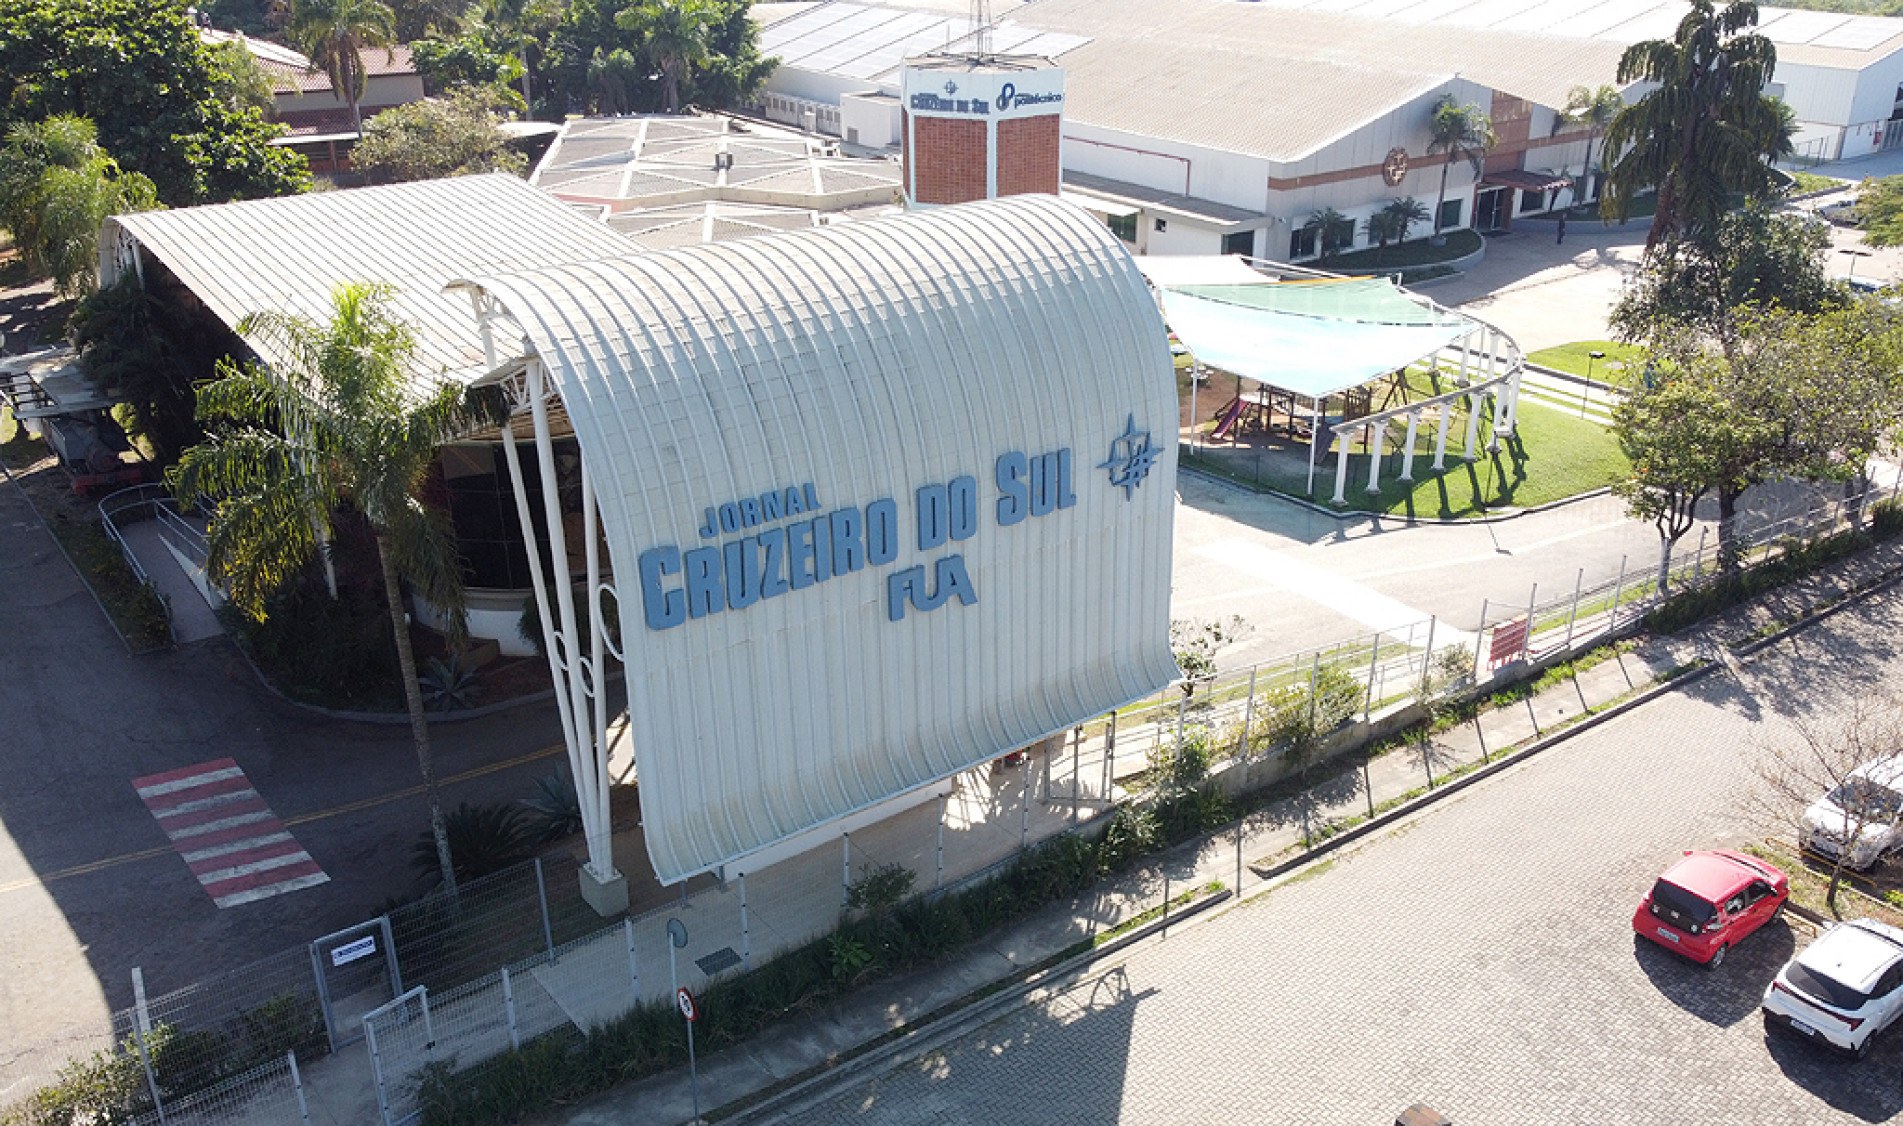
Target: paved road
1479	958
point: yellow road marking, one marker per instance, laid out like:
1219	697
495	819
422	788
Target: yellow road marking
301	819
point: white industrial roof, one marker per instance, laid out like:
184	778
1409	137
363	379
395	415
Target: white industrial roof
869	42
870	359
661	160
1817	38
288	254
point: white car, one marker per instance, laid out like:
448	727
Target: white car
1842	989
1859	820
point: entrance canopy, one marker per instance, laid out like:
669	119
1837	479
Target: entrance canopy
1313	337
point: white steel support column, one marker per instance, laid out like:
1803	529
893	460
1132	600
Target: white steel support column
1473	425
1377	443
1407	452
1499	418
1341	470
579	679
1440	436
1513	399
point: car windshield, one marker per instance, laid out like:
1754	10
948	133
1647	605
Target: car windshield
1825	988
1680	906
1866	800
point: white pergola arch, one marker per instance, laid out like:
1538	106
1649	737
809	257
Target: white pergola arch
907	360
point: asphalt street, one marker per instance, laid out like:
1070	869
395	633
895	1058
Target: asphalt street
1479	958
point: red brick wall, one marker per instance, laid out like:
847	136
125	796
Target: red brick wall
950	156
1027	154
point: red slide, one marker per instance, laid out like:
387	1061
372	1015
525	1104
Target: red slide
1227	421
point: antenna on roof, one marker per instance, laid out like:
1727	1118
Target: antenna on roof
981	29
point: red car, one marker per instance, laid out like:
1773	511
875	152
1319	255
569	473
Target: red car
1708	902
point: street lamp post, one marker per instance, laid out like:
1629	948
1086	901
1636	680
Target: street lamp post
1585	394
1853	254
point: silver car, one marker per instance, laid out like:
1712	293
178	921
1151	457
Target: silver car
1862	818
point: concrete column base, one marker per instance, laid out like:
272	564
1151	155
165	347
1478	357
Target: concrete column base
607	896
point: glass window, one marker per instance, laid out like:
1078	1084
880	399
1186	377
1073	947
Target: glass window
1123	226
1242	242
1824	988
1532	201
1679	907
1450	214
1867	801
1301	242
1341	236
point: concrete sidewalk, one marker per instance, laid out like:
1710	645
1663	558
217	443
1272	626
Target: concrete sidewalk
1249	861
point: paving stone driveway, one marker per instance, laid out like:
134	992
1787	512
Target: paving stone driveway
1479	959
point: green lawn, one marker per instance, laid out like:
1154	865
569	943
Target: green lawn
1620	367
1808	182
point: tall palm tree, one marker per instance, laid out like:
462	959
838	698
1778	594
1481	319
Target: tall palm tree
1328	224
1594	109
1706	131
676	38
334	33
1405	211
335	428
1459	133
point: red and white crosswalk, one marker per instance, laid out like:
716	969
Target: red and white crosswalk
230	839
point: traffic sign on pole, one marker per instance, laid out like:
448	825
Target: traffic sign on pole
685	1001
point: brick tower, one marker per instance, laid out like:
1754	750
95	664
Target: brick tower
980	126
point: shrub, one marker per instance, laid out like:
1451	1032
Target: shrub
448	684
880	888
483	839
1299	717
554	810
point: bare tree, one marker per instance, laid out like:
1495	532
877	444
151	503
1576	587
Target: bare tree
1814	782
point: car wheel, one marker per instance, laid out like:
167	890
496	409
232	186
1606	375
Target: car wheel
1717	959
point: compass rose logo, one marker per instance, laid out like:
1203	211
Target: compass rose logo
1132	456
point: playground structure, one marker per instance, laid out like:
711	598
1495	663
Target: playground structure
1328	362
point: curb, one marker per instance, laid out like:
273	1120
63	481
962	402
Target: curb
911	1040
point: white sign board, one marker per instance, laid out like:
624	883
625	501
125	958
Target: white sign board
994	94
354	950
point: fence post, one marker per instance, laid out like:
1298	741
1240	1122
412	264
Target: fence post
1182	712
845	869
1427	658
1248	715
1166	901
938	881
1374	662
508	1010
1109	755
1076	769
1572	615
746	930
634	972
1367	785
1698	561
1239	821
1024	803
141	1028
541	896
297	1088
376	1070
1618	599
1526	643
1480	639
429	1024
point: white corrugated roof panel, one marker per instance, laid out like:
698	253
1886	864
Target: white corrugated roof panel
287	254
870	360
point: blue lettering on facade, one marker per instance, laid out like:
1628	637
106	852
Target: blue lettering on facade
773	563
704	596
950	580
664	609
882	532
1011	502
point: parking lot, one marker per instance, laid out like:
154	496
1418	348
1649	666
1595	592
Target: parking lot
1479	959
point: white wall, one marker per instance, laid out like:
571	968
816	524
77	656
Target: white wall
869	121
1181	236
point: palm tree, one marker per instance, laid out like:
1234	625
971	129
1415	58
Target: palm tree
1594	109
56	187
336	428
1328	223
334	34
676	35
1383	227
1706	131
1406	211
1459	133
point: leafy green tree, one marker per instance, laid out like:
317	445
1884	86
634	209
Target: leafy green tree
1382	227
127	340
1880	203
1594	109
1760	258
1457	132
476	58
1706	132
1195	644
253	17
427	140
241	79
338	427
675	36
334	33
427	19
160	97
1676	434
56	187
733	71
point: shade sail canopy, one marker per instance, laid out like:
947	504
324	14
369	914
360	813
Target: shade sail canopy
1315	338
811	453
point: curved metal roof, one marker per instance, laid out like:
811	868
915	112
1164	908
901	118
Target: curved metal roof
870	361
